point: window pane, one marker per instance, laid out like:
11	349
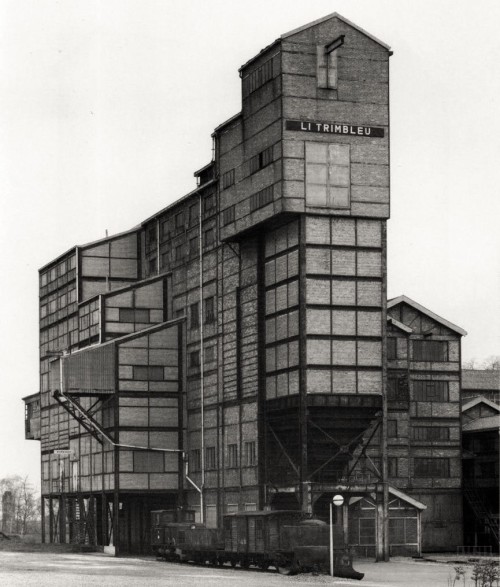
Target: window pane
339	175
338	197
316	152
316	174
316	195
339	154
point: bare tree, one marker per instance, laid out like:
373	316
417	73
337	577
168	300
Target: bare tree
491	363
20	505
470	364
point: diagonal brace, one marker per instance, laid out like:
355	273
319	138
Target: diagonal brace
294	467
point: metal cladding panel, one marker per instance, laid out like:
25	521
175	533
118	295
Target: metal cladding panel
90	370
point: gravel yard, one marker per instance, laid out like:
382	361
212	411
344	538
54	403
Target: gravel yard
42	569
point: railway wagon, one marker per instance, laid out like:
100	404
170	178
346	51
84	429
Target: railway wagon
288	540
167	528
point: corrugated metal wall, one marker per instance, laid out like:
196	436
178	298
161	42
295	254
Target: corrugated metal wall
90	370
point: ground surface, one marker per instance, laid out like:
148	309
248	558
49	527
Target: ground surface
77	570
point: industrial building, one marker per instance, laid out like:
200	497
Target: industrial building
236	351
480	442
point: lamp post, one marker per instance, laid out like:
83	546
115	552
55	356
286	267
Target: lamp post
337	500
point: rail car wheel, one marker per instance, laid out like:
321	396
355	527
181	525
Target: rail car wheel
287	567
263	565
234	562
245	563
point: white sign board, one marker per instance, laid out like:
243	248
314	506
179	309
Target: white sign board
338	500
63	451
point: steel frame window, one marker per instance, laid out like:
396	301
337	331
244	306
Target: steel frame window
328	175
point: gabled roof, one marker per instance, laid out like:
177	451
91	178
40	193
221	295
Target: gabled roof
308	25
404	299
405	497
399	325
480	400
396	493
340	17
481	423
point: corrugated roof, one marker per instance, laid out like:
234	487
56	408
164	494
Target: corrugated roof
484	379
482	424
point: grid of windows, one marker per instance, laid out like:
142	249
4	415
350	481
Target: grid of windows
179	252
232	455
194	213
262	198
210	310
261	160
432	467
210	460
194	312
397	387
430	391
250	453
259	76
56	302
228	179
210	354
328	175
431	433
89	320
165	259
179	220
193	246
165	232
430	350
195	460
326	68
209	237
58	275
152	266
228	215
366	531
194	359
209	203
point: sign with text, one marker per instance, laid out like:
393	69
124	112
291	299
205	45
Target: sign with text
336	128
63	451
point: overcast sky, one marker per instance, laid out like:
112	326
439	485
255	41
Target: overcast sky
106	110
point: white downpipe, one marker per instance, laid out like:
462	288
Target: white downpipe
202	371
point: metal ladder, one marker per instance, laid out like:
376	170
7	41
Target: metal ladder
481	510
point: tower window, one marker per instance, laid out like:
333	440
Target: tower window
328	175
327	63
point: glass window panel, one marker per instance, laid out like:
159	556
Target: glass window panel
338	154
316	195
316	174
338	198
316	152
339	175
